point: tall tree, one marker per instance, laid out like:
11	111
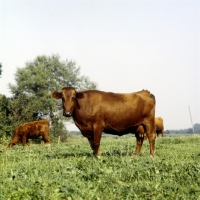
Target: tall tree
23	108
35	83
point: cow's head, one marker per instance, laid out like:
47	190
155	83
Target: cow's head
68	96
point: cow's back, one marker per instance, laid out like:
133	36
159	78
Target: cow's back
117	112
43	126
37	128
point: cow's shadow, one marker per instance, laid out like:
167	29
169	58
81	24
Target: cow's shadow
67	155
116	153
112	153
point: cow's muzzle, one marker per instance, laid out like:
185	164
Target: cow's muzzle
67	114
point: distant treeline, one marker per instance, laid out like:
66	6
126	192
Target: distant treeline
185	131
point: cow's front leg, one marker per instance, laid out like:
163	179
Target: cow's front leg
24	139
89	135
94	144
46	140
97	132
28	143
94	136
139	144
91	141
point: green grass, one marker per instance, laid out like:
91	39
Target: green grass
69	171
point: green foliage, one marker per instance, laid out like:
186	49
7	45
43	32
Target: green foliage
5	123
22	109
197	128
167	132
47	74
58	129
69	171
32	94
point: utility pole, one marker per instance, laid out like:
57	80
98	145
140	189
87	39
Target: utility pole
191	120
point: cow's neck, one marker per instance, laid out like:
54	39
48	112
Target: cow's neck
76	116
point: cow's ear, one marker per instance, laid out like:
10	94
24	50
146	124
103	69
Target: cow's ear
79	95
57	95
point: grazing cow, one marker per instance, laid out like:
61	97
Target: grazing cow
95	112
159	126
31	130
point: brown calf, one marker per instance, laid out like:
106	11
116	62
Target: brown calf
31	130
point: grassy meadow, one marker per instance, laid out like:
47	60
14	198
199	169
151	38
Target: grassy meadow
69	171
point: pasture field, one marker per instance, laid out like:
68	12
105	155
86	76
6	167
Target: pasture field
69	171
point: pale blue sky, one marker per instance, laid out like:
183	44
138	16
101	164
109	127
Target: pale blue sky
124	46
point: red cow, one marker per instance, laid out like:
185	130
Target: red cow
31	130
95	112
159	126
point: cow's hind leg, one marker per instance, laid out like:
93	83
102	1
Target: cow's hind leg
139	144
152	144
151	137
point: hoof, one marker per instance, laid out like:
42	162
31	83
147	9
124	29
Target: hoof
97	156
47	145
